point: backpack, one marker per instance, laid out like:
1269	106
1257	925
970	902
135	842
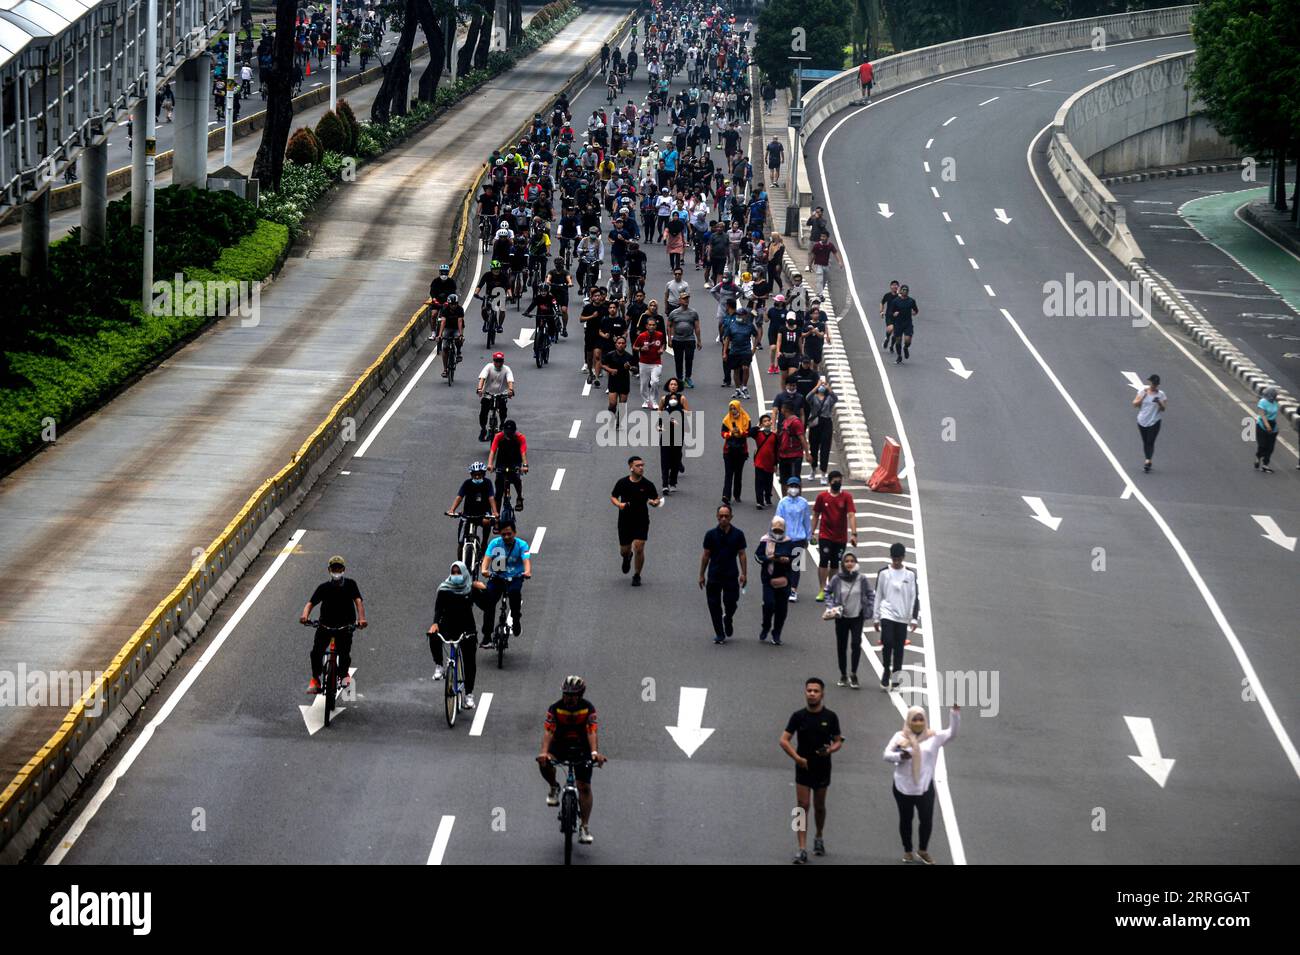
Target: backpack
788	444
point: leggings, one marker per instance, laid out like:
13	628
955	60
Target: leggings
1149	432
924	805
670	463
848	632
894	634
819	441
468	651
776	604
1264	443
733	464
684	357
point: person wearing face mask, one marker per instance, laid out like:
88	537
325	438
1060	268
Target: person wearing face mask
914	751
723	572
791	446
1265	430
898	602
789	345
776	555
797	514
821	426
764	461
848	602
834	527
672	439
453	616
339	599
479	500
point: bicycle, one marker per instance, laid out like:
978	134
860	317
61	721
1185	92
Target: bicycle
469	541
494	319
496	415
453	682
569	812
546	336
486	232
332	677
503	483
447	345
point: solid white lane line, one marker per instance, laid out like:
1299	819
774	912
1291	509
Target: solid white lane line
949	120
556	481
573	431
410	386
535	542
1256	685
987	101
934	702
106	788
989	289
973	264
480	714
1039	83
934	191
440	840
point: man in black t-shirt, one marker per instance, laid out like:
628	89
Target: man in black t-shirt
723	572
899	314
818	732
479	500
885	301
339	599
634	495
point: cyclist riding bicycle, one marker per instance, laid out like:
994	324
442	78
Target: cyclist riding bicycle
507	563
451	327
518	266
441	287
493	288
591	252
496	384
453	615
479	500
547	305
570	734
339	599
508	458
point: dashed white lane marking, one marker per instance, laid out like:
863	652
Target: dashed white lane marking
1095	69
1039	83
929	143
949	120
535	544
480	714
345	473
1230	635
410	386
586	389
934	191
989	289
973	264
440	840
1151	202
987	101
120	770
559	478
573	431
926	164
947	218
960	240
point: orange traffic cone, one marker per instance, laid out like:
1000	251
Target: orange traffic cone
308	66
885	479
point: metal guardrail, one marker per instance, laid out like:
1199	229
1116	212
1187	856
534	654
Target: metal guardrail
107	706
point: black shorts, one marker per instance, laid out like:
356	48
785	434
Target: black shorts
787	361
830	552
812	348
739	360
620	384
773	332
816	776
632	530
581	772
903	328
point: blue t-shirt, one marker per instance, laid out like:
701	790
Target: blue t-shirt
1269	409
670	161
514	559
741	336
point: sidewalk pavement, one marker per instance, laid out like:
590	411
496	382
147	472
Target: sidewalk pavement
99	527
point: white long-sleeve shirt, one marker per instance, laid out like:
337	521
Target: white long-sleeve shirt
896	597
903	780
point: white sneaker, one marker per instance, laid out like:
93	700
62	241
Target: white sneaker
553	796
469	701
437	673
585	368
584	836
823	478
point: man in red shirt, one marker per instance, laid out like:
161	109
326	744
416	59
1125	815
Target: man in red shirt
649	347
790	444
867	77
819	260
764	461
834	526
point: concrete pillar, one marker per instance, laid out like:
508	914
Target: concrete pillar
137	163
193	94
36	236
94	193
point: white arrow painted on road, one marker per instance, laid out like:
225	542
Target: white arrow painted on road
884	209
1272	532
957	368
525	337
314	715
688	733
1133	379
1152	763
1001	216
1041	514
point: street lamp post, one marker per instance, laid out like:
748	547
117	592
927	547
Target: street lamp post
796	122
227	152
150	148
334	54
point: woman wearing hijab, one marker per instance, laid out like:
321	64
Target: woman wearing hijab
914	750
848	602
1266	430
453	615
775	556
735	450
672	439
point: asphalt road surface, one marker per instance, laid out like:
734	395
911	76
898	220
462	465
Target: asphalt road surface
1041	771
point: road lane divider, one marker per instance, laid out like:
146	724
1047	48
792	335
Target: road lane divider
480	714
440	840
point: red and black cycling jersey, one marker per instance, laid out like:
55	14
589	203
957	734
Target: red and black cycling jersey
570	725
